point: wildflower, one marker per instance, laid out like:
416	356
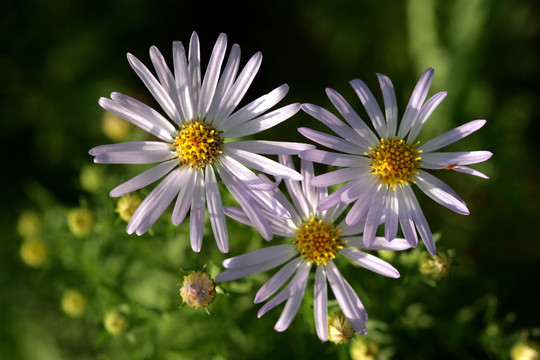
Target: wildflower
91	178
73	303
115	322
317	241
127	205
197	139
34	252
340	330
435	267
80	221
382	166
29	224
198	290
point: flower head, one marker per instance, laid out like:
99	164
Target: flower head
198	290
80	221
340	330
73	303
197	138
381	166
115	322
34	252
315	242
127	205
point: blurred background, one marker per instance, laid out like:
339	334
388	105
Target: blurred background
73	285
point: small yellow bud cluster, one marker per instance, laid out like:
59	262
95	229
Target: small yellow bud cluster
73	303
127	204
80	221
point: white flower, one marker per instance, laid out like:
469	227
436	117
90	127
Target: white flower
383	166
317	242
194	140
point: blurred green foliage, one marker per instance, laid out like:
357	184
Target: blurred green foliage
57	58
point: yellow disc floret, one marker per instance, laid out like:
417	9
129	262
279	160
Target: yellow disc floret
318	242
198	290
395	161
198	144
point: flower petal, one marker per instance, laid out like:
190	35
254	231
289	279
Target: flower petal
215	210
405	219
298	287
320	307
374	215
420	220
194	68
332	142
424	114
154	204
335	159
185	196
196	217
469	171
183	80
370	262
441	160
134	157
371	106
390	105
283	252
452	136
263	164
269	147
129	146
392	215
334	177
415	102
380	243
348	301
144	179
277	280
211	75
440	192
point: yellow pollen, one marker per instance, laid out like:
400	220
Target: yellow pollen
395	162
198	290
198	144
318	242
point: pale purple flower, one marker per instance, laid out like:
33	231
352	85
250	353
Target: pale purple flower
382	165
198	138
317	241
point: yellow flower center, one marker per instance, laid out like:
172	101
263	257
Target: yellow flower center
395	162
198	290
198	144
318	242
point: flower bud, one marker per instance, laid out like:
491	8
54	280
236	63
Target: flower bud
127	204
73	303
364	349
198	290
115	323
435	267
340	330
80	222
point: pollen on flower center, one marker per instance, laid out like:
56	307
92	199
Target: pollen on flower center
318	242
395	161
198	290
198	144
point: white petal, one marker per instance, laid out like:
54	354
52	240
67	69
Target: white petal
440	192
147	119
185	196
320	307
420	220
374	215
380	243
335	159
308	171
196	217
155	88
182	78
211	75
452	136
263	164
370	262
335	177
144	179
263	122
261	255
298	286
295	191
154	204
224	84
269	147
240	86
167	81
368	137
264	265
371	106
469	171
247	203
245	175
334	123
277	281
362	187
129	146
405	219
254	108
348	301
134	157
390	105
441	160
194	68
415	102
392	215
332	142
215	210
424	114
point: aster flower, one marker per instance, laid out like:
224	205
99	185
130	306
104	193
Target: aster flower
384	164
196	140
317	241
